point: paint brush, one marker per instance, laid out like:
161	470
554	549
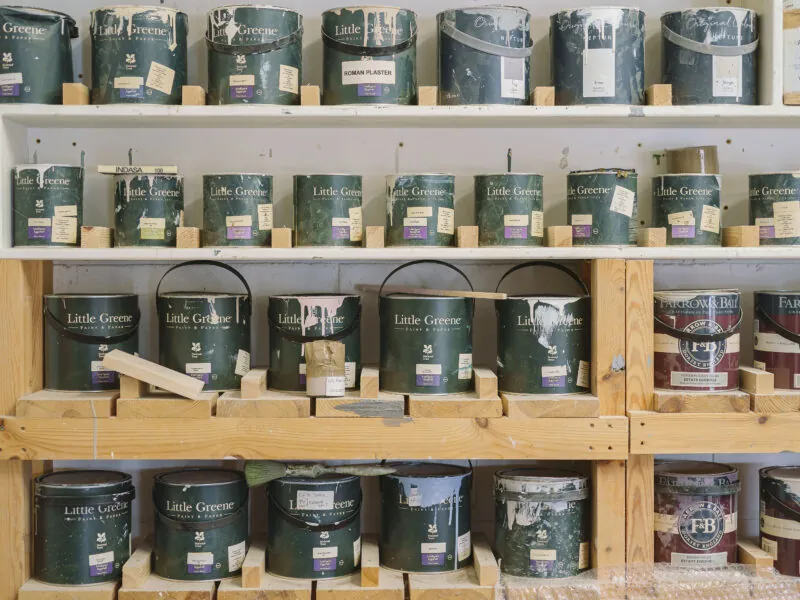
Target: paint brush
259	472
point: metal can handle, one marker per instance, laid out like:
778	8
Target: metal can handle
211	263
545	263
782	331
698	337
428	261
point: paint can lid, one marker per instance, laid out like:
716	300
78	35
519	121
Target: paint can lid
696	478
433	470
88	296
201	295
790	474
692	293
541	484
200	477
82	482
138	8
323	480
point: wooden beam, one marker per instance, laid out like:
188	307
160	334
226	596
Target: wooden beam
15	526
608	335
255	565
537	406
484	560
750	553
254	384
639	335
370	382
639	509
485	382
154	374
370	561
679	401
608	513
756	381
136	571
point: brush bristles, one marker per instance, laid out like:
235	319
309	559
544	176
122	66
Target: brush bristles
260	472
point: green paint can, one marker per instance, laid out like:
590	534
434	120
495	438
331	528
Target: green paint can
369	55
314	526
138	55
254	55
37	54
48	205
420	210
79	330
775	208
82	526
510	209
603	207
148	209
295	320
688	206
484	55
542	522
544	341
237	209
327	210
200	524
426	341
206	336
425	518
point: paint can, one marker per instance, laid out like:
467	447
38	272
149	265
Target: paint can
775	208
201	531
696	506
205	335
709	55
542	522
254	55
79	330
37	54
695	159
776	347
697	339
138	55
295	320
314	526
426	341
603	207
48	205
369	55
148	209
688	207
509	209
597	55
780	517
327	210
425	518
791	51
484	55
544	341
82	526
237	209
420	210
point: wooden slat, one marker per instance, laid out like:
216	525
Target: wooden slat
136	571
167	407
485	383
756	381
779	401
36	590
154	374
68	405
523	406
384	405
391	587
273	405
270	588
455	585
255	565
454	406
254	383
639	335
15	526
677	401
639	509
484	561
130	387
608	335
608	514
370	561
156	588
370	382
750	553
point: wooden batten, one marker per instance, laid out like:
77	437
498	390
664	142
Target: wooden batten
485	383
370	561
778	401
273	404
375	236
193	95
756	381
75	94
36	590
537	406
484	561
484	402
67	405
370	382
255	564
385	405
167	406
427	95
677	401
282	237
652	237
467	236
741	236
750	553
454	585
154	374
544	96
659	94
559	236
188	237
139	583
310	95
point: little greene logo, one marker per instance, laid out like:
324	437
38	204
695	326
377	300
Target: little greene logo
702	525
703	355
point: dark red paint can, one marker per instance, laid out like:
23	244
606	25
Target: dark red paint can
695	517
776	347
697	339
780	517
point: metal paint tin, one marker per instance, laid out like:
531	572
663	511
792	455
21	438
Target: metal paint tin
36	50
597	55
709	55
237	209
425	518
314	526
201	531
369	55
542	522
79	330
697	339
426	341
775	208
776	347
484	55
138	55
696	507
780	517
205	335
544	341
603	207
148	209
509	209
688	207
254	55
295	320
48	205
82	526
327	210
420	210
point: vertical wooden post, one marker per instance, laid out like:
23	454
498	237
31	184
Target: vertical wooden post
608	515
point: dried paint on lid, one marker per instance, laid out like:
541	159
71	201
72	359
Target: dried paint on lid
430	470
696	477
195	477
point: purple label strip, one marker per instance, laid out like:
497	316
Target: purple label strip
104	377
9	90
683	231
201	376
199	568
766	232
415	233
581	231
428	380
38	233
340	232
516	233
132	93
433	560
241	91
240	233
369	89
556	381
324	564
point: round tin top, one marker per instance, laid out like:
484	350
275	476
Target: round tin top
402	296
733	9
625	172
795	173
260	6
200	477
696	478
789	474
137	8
314	296
38	166
237	174
542	482
87	296
434	470
396	175
666	293
201	295
510	174
545	298
663	175
369	7
82	482
778	292
326	175
325	479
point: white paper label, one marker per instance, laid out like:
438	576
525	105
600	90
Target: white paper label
791	60
599	73
428	369
327	552
581	219
796	381
302	368
760	365
97	367
434	548
265	217
709	221
368	71
787	219
128	83
415	222
350	374
65	230
622	202
242	363
770	547
104	558
341	222
419	211
198	368
160	78
309	500
465	366
242	80
356	224
515	220
236	555
11	79
334	386
775	342
446	221
537	223
560	371
780	528
357	552
681	218
727	74
66	211
241	221
679	379
199	559
151	228
584	372
583	555
464	545
542	554
289	79
39	222
716	559
512	78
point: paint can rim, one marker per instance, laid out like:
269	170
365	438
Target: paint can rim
690	470
795	173
259	6
429	470
353	7
783	472
324	479
229	174
716	175
88	296
327	175
587	8
539	473
708	292
201	295
319	296
733	9
139	6
235	478
121	478
515	174
546	297
509	7
48	165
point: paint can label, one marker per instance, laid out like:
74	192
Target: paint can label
420	210
328	210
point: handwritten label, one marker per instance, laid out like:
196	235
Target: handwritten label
446	221
709	220
160	78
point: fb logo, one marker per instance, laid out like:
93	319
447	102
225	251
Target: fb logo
702	525
130	59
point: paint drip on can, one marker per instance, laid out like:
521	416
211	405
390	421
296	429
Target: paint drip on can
254	55
697	339
314	526
37	54
509	209
138	55
425	518
544	341
201	531
79	330
327	210
148	209
695	519
687	205
237	209
82	529
780	517
484	55
709	55
603	207
48	205
420	210
776	346
597	56
775	208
